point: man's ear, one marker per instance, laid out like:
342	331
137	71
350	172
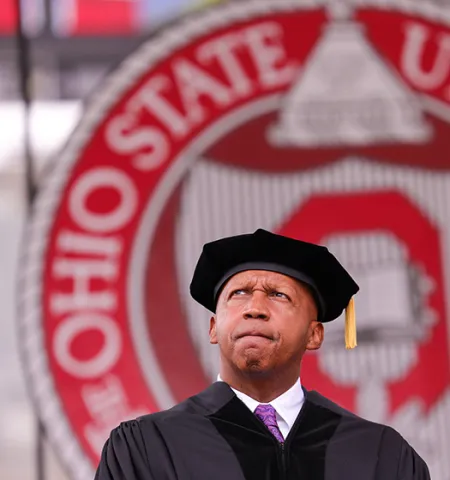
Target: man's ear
212	331
316	336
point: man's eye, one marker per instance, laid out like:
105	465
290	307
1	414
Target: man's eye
279	295
239	292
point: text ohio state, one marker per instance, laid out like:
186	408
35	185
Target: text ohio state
211	79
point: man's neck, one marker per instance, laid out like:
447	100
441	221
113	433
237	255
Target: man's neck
262	387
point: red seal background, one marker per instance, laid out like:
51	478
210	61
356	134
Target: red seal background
244	147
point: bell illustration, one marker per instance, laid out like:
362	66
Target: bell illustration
347	95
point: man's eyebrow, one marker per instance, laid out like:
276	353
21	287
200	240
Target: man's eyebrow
267	285
276	286
242	284
247	283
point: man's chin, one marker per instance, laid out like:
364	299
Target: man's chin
253	361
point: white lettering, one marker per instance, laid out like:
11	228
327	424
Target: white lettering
269	56
107	404
194	83
223	49
96	179
67	331
82	272
151	97
412	58
149	145
198	88
88	244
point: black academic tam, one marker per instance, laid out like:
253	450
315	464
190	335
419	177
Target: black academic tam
214	436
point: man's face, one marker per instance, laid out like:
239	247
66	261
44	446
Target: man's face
265	321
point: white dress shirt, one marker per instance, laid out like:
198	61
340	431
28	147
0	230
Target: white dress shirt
287	405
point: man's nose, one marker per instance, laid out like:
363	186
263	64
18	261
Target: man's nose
257	308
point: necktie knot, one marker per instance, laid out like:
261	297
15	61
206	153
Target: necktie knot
268	415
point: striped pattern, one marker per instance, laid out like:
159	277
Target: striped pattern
218	201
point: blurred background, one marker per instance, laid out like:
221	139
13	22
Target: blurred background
348	145
71	46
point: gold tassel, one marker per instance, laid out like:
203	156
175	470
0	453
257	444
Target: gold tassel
350	325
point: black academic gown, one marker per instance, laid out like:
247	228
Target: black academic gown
214	436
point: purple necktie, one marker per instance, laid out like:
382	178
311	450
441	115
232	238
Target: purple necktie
267	414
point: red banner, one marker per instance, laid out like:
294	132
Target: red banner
8	17
100	17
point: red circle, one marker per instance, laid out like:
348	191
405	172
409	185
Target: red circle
245	147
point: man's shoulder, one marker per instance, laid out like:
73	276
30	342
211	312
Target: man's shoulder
348	417
187	407
319	400
202	404
150	423
351	421
370	440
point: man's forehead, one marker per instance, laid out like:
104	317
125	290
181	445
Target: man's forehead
267	279
267	276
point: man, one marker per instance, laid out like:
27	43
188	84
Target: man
270	296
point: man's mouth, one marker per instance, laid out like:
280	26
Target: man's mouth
254	334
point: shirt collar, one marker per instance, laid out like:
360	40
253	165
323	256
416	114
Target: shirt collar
287	405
